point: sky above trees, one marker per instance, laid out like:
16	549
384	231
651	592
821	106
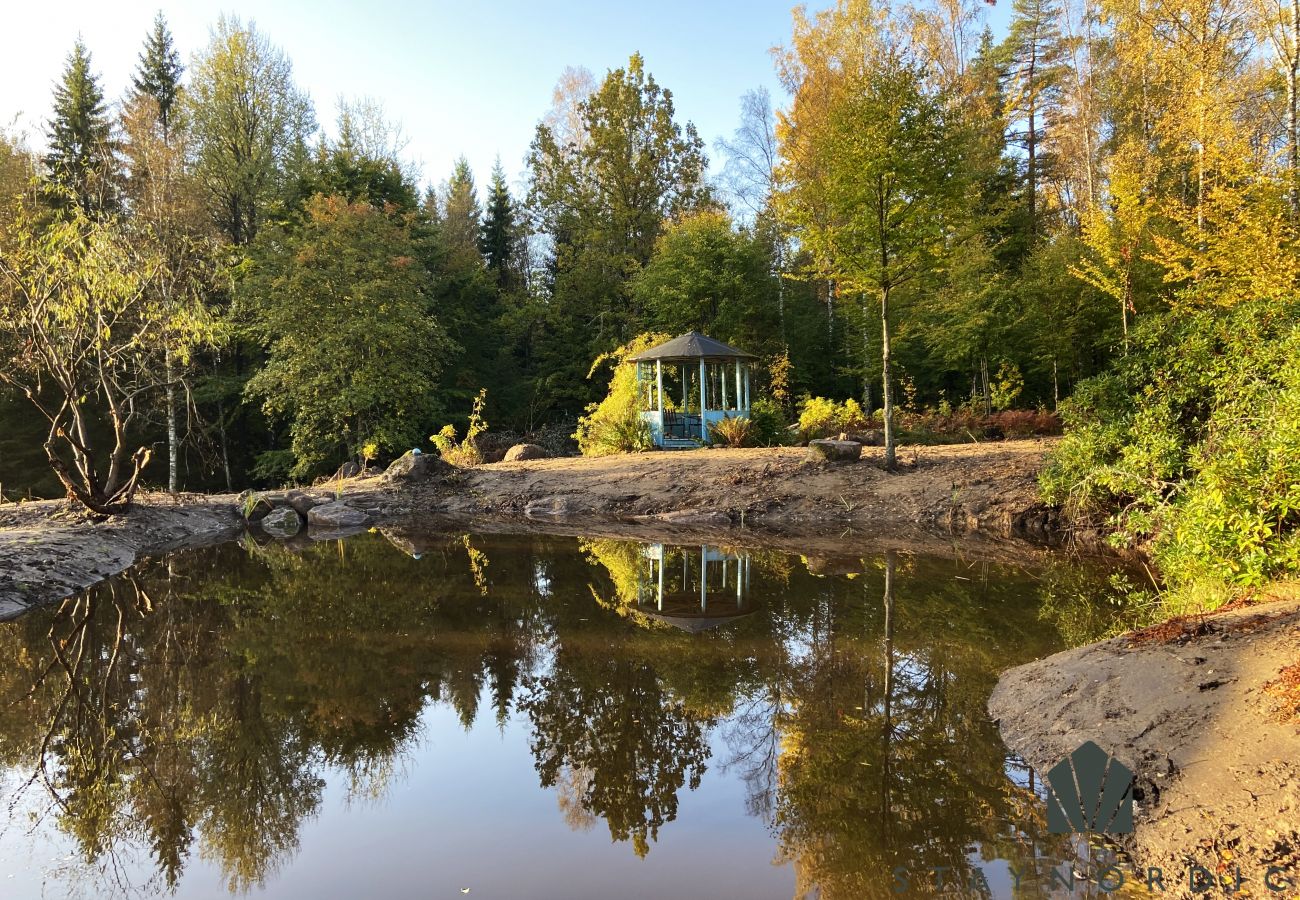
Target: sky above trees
436	66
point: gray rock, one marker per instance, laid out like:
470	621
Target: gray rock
713	518
281	522
525	451
303	503
552	508
336	514
834	451
412	467
873	437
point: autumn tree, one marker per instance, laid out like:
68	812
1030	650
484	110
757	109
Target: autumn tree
602	199
869	174
248	120
168	215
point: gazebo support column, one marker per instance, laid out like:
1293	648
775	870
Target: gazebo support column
659	380
741	399
746	387
704	387
722	379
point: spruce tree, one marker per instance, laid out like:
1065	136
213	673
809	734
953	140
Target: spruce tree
158	74
80	159
497	239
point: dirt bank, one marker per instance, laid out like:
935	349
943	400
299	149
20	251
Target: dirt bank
48	552
1207	713
989	489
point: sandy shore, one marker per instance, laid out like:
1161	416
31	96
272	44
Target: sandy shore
1198	710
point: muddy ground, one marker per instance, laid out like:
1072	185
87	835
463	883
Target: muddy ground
988	489
1199	709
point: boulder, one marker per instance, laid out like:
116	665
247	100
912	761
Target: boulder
834	451
254	507
555	508
872	437
335	514
281	522
525	451
414	466
303	503
709	518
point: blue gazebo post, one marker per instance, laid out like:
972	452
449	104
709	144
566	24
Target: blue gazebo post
704	393
659	379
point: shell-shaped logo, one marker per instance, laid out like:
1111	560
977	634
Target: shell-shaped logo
1090	791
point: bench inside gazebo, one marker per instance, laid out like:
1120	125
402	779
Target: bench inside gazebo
688	384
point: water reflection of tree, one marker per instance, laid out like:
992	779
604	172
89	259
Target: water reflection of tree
210	695
633	746
888	757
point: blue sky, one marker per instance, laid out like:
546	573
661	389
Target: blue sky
466	77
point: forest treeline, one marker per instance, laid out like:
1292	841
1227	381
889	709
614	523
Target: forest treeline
935	218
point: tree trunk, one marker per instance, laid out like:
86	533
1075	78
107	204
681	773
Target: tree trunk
173	453
890	450
1292	127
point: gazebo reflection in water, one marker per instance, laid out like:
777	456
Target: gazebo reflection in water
693	588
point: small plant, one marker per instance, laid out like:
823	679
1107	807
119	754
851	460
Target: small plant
780	372
464	453
1007	386
733	431
368	453
851	417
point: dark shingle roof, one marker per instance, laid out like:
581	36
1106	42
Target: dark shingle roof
692	345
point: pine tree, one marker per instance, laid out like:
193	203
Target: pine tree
159	73
461	217
1036	63
498	236
81	160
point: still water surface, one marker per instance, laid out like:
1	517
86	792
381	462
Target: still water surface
524	717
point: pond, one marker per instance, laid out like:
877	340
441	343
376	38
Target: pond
525	716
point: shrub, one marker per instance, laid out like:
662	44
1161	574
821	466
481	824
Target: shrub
851	417
614	425
769	426
463	453
1191	443
818	418
733	431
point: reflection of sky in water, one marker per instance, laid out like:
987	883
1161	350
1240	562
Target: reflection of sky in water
796	766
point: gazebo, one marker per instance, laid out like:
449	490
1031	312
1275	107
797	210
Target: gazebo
687	384
707	590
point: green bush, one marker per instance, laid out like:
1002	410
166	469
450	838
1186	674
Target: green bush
1191	445
769	426
614	425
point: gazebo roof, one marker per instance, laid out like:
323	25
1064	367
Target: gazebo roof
691	345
